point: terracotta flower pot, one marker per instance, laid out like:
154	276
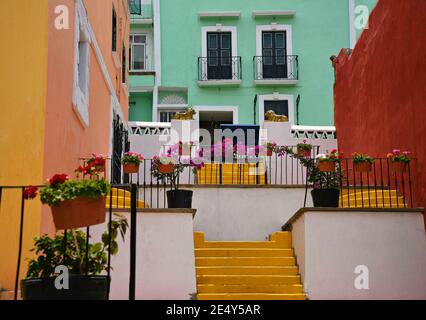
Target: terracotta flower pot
269	152
398	167
78	213
130	168
304	153
363	167
327	166
166	168
184	150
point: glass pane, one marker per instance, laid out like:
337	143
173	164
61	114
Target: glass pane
226	57
280	58
226	41
267	40
212	58
279	40
212	42
139	39
267	56
138	52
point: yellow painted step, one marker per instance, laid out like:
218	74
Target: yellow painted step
246	252
278	289
277	240
120	192
248	279
380	206
124	202
245	261
380	192
366	200
250	296
254	270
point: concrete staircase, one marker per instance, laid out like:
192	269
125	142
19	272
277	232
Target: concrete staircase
232	174
357	198
121	200
264	270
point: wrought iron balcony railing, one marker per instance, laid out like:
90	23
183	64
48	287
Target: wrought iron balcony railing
276	67
135	7
219	68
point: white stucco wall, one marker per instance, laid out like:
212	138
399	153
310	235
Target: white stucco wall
244	214
330	245
165	262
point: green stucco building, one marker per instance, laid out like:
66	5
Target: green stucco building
234	60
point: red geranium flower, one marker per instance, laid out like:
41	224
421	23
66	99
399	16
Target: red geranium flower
58	179
30	193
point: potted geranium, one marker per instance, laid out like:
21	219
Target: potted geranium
97	162
327	162
304	149
362	162
131	162
270	148
399	160
327	184
75	203
85	281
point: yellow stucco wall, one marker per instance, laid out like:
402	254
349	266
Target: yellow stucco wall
23	66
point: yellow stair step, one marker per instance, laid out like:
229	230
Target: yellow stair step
245	252
250	296
245	261
248	279
253	270
281	240
124	202
278	289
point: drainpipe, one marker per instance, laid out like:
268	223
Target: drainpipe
297	109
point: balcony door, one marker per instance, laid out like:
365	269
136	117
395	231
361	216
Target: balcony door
219	55
274	54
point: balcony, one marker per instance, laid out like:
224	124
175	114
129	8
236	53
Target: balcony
219	71
141	11
276	70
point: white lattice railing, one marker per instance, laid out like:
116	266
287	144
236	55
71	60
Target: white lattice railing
150	128
313	132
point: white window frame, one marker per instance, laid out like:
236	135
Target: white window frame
146	57
81	82
276	97
234	46
233	109
274	27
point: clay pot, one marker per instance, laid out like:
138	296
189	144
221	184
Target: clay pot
398	167
166	168
78	213
130	168
304	153
327	166
363	167
269	152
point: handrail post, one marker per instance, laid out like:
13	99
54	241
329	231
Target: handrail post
133	228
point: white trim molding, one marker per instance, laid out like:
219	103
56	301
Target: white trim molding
81	69
352	30
289	47
215	83
219	14
274	13
276	97
233	109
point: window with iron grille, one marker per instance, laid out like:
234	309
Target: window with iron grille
124	65
114	30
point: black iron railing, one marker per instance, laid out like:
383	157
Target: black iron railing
219	68
276	67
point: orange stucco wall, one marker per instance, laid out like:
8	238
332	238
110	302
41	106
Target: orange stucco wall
66	139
